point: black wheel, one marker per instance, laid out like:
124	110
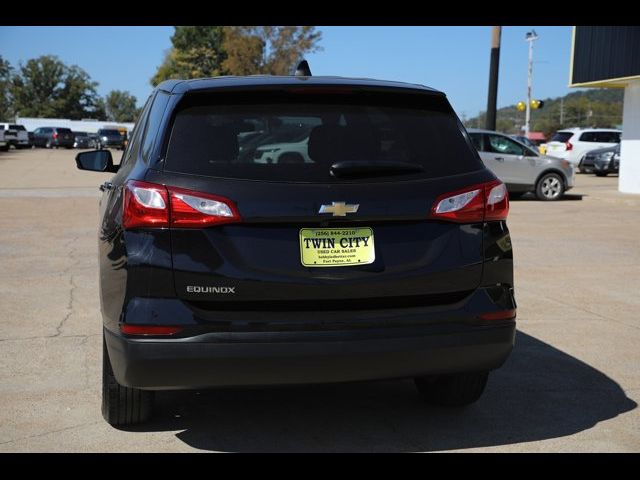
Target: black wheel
550	187
455	390
5	148
122	405
601	174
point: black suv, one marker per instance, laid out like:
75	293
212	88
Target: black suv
374	248
110	138
50	137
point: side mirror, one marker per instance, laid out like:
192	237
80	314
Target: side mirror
96	161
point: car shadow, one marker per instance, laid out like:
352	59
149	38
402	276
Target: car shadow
540	393
530	197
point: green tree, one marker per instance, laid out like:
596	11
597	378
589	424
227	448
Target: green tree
46	87
266	49
200	51
120	106
196	52
6	107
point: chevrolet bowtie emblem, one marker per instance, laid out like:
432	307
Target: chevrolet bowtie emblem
339	209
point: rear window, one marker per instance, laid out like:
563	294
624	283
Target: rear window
109	132
298	137
17	127
561	137
63	130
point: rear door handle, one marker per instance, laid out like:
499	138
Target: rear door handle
106	186
500	159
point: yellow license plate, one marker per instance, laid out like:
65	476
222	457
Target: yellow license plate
333	247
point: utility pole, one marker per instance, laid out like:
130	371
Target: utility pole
492	97
530	37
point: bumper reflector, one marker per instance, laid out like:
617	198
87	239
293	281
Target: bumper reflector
501	315
148	329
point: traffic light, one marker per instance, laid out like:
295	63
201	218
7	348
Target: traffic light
536	104
520	106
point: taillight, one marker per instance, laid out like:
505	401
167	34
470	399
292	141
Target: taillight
148	329
196	209
477	203
145	205
151	205
55	135
569	146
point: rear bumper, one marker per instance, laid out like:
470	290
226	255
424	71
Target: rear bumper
281	358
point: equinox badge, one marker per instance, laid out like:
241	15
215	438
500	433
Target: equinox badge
339	209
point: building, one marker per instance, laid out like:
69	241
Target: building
609	57
90	126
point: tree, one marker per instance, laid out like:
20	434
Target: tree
120	106
6	102
267	50
46	87
196	52
200	51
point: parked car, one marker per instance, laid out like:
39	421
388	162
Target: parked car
84	140
572	143
4	144
21	136
50	137
521	168
602	161
295	152
388	256
110	138
9	136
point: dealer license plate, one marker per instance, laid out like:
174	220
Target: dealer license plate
333	247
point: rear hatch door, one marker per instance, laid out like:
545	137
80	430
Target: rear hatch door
346	224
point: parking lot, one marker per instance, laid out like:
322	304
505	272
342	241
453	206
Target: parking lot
572	383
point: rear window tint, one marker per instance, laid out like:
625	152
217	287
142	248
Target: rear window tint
17	127
63	130
561	137
297	137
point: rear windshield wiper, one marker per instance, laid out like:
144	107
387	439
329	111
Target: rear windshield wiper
373	169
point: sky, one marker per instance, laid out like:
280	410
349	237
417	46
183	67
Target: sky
452	59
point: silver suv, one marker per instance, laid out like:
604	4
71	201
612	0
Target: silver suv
521	168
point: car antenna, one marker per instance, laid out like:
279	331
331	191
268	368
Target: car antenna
303	70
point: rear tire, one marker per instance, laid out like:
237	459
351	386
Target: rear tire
122	405
550	187
457	390
601	174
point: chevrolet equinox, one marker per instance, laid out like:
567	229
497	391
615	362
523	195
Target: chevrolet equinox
372	245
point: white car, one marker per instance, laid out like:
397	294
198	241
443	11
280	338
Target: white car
296	152
573	143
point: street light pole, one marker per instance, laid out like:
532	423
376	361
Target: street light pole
530	37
